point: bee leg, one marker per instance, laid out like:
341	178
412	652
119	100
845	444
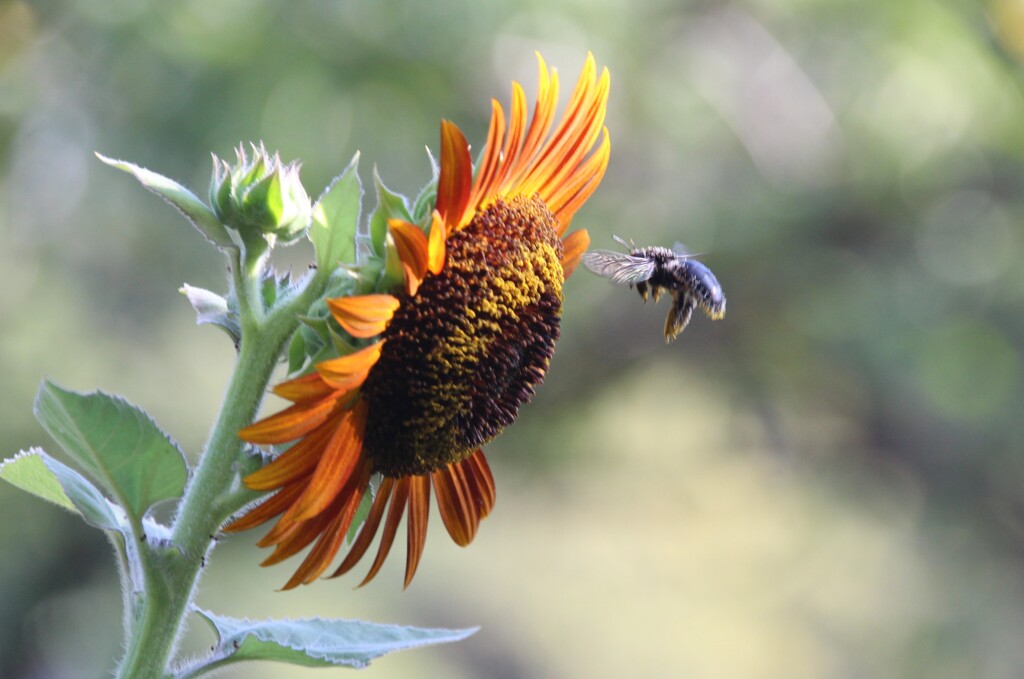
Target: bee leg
656	291
678	316
642	289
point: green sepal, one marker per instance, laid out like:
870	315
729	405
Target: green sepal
116	443
390	205
336	219
423	208
184	200
393	274
341	345
274	287
313	642
425	201
362	511
296	353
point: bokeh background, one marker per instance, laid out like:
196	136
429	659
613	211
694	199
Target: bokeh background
828	483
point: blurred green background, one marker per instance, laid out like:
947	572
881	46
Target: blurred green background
828	483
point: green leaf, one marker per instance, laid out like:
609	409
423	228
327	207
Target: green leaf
116	443
336	218
390	205
180	197
213	309
314	642
36	472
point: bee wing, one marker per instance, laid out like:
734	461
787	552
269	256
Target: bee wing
620	268
683	252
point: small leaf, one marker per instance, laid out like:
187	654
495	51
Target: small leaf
313	642
116	443
180	197
36	472
335	219
212	309
390	205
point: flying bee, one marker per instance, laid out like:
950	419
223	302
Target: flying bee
655	270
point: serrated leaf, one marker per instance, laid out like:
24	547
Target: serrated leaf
39	474
335	219
313	642
390	205
116	443
212	309
180	197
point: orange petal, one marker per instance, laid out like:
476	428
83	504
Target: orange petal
369	528
324	551
363	316
573	248
540	125
291	423
516	128
457	508
456	180
398	503
295	463
349	371
411	244
337	464
291	537
265	511
301	389
572	196
436	244
481	482
491	157
419	511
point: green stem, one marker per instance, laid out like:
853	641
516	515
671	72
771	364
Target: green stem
171	572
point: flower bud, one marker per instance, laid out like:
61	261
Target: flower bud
260	197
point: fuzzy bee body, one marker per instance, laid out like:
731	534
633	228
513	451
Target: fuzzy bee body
654	270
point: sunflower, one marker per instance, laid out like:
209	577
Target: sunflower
454	351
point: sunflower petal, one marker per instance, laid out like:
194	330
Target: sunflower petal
324	551
369	528
291	423
398	503
411	243
456	181
303	389
573	248
491	157
350	370
339	461
436	244
363	316
416	526
482	483
266	510
295	463
458	512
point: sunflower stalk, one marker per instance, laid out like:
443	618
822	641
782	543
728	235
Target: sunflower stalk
170	574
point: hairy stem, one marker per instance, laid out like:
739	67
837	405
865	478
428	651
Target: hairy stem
171	571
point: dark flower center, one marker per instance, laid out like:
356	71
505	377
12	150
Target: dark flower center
471	346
